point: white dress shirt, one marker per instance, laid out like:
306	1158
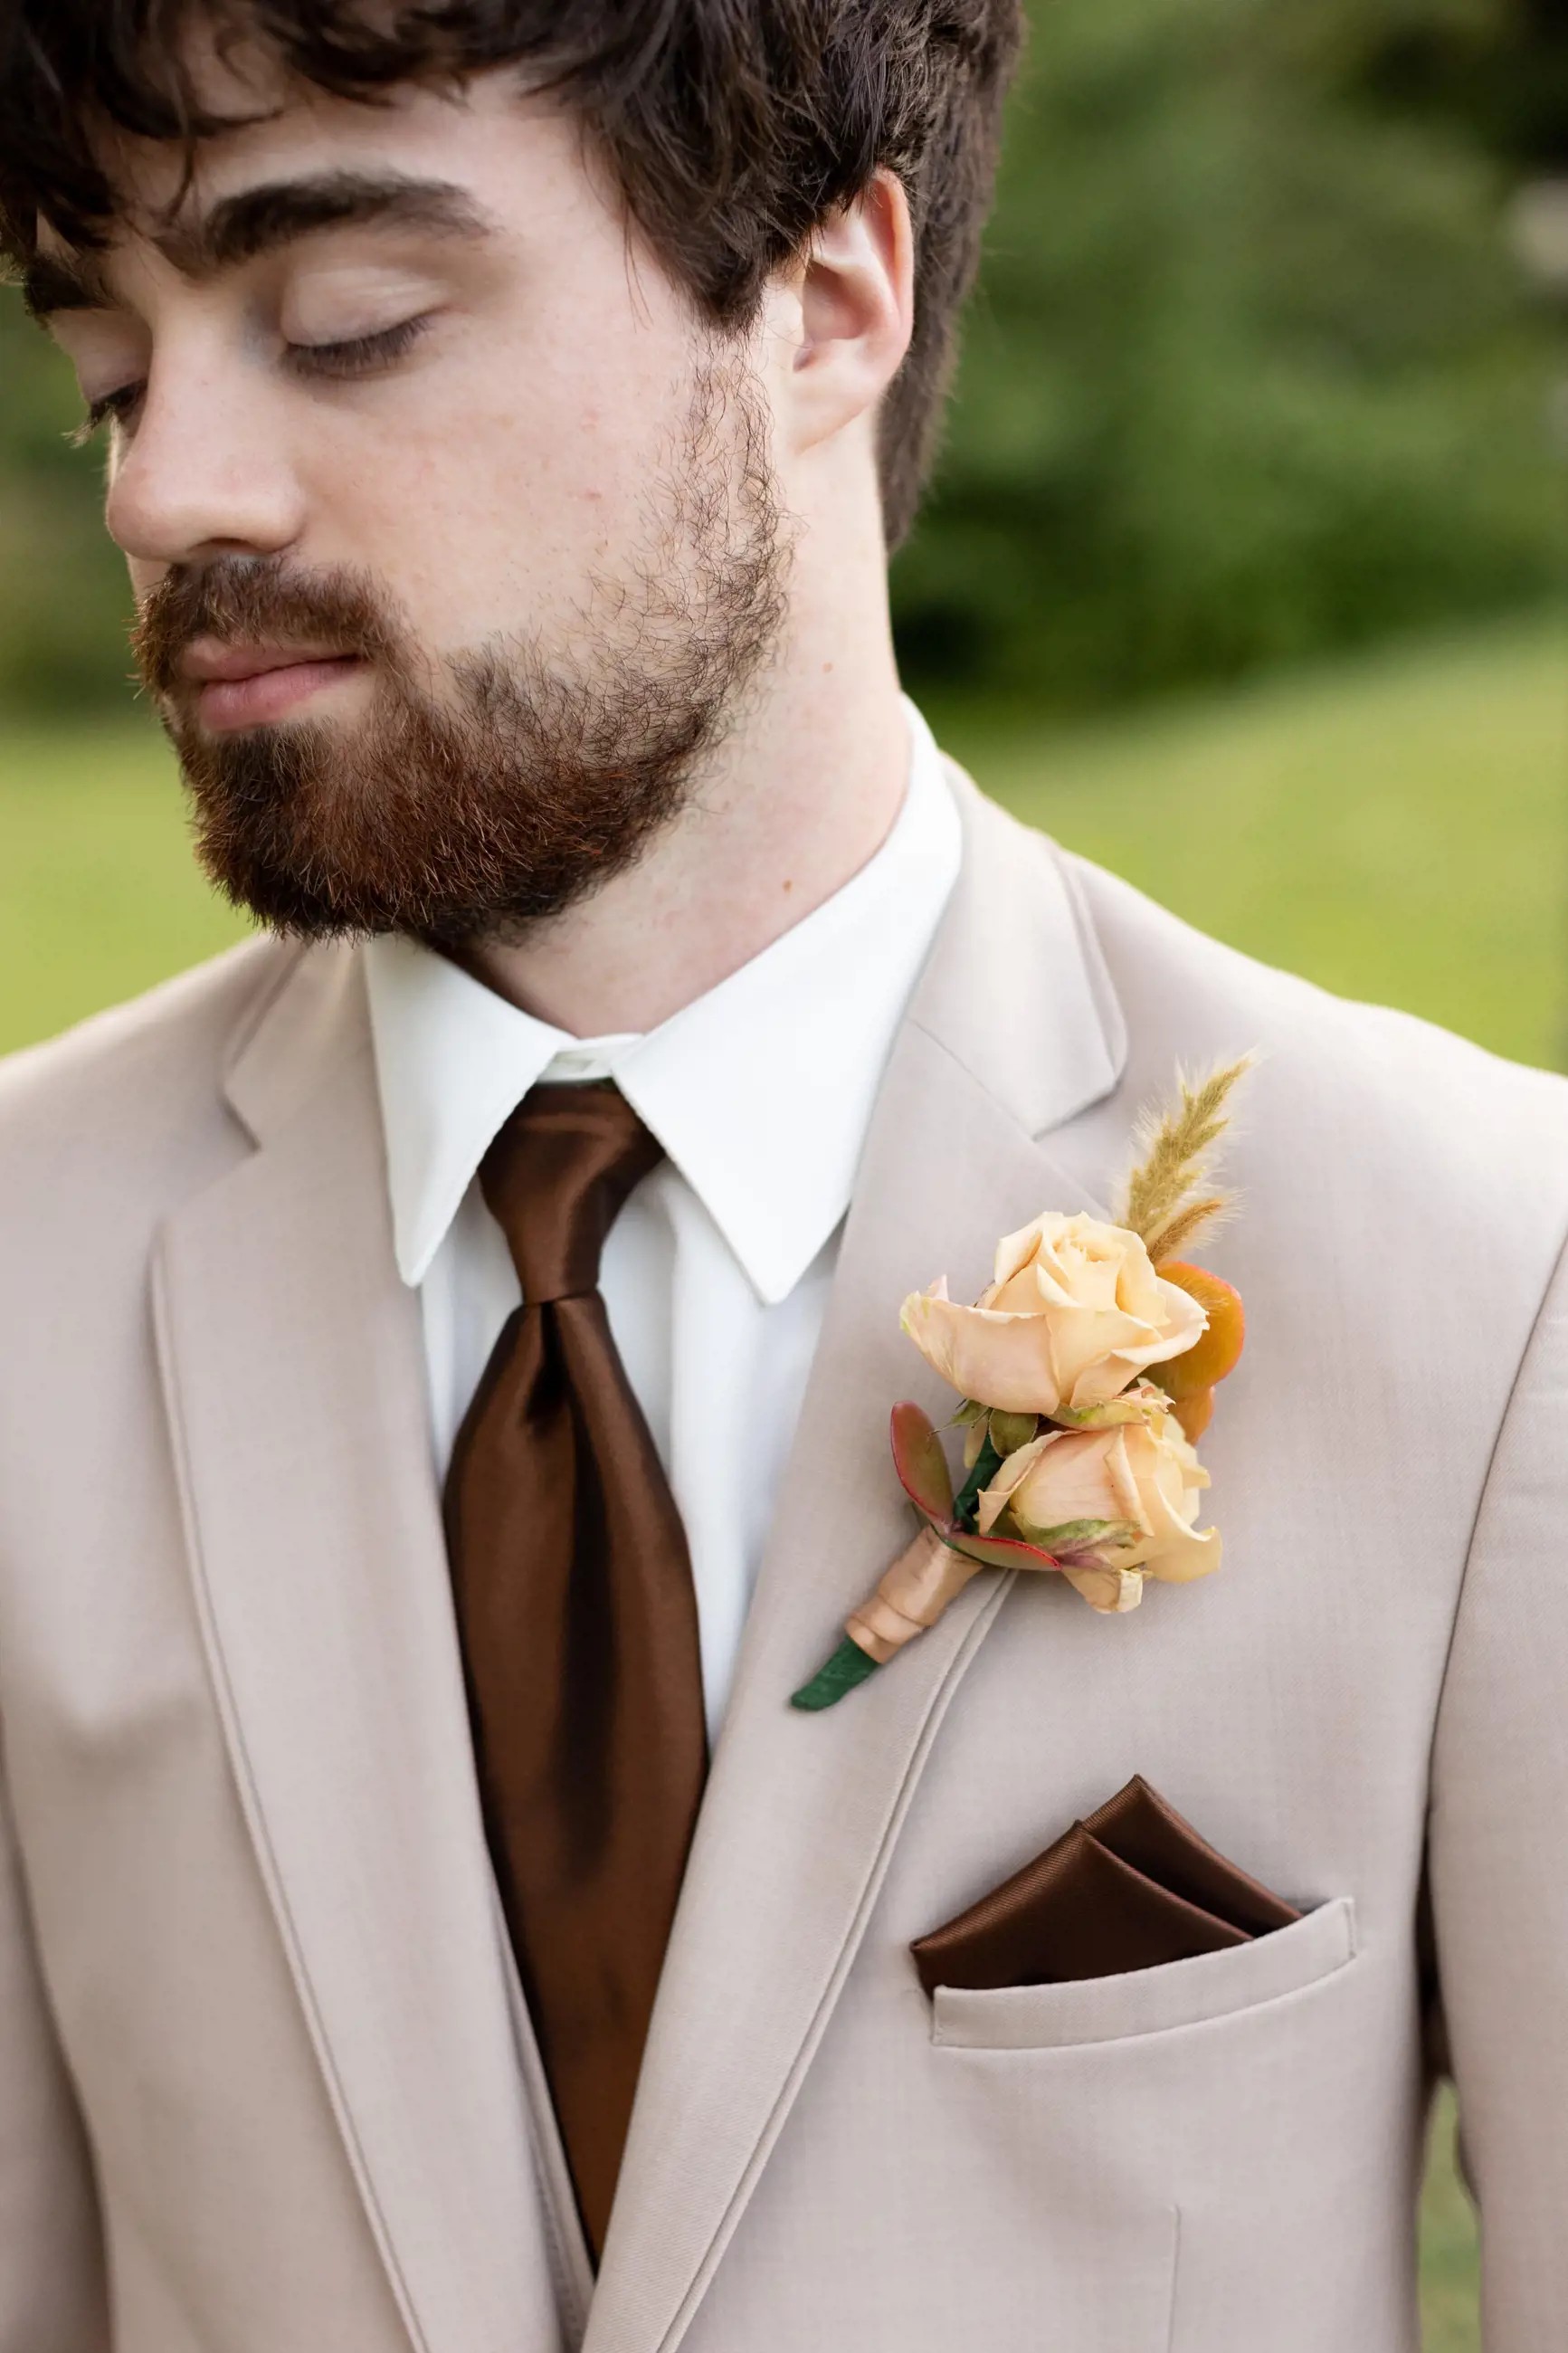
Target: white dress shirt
716	1273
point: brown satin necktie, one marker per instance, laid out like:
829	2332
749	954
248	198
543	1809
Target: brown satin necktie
578	1621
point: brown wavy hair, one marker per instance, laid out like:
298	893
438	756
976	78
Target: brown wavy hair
732	127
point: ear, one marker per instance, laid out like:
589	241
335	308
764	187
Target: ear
856	297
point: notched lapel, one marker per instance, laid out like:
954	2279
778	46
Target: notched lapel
802	1810
292	1368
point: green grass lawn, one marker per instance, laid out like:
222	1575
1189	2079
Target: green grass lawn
1395	828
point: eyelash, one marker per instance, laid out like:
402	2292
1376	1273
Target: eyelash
361	355
113	405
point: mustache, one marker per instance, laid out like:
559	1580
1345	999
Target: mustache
239	599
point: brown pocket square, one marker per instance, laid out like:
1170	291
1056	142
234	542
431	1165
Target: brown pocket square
1132	1887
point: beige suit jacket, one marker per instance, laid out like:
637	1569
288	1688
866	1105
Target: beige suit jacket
266	2082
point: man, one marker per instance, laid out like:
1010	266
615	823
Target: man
450	1341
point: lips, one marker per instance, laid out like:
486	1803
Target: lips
249	685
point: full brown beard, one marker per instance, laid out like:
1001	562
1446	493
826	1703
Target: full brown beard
479	810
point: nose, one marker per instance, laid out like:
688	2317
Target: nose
205	473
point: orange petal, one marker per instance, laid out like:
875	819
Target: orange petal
1215	1353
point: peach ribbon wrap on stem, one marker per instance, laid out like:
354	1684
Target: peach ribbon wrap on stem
910	1596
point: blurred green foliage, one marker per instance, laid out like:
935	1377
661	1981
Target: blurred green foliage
1251	373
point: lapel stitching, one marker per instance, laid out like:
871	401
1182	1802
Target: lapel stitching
255	1821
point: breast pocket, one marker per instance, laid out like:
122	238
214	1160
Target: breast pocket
1259	2102
1149	2002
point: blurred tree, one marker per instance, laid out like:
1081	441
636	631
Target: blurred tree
1250	374
1530	112
1500	66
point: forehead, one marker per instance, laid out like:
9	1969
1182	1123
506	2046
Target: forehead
487	131
279	130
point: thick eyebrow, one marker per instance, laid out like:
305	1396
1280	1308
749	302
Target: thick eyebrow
261	220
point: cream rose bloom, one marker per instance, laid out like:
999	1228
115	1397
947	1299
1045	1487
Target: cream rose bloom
1074	1313
1113	1500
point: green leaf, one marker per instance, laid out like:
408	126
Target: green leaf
921	1463
1011	1430
1075	1539
848	1665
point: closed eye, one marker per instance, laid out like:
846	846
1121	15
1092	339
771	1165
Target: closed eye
361	354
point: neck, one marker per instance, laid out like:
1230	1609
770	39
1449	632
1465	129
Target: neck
801	792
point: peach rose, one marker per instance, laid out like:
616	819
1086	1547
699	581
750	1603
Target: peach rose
1076	1312
1109	1502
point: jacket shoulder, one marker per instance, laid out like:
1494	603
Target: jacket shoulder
145	1072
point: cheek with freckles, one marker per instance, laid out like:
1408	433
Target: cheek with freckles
485	516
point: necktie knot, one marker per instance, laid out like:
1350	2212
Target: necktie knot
556	1178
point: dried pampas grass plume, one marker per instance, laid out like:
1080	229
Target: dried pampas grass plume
1169	1197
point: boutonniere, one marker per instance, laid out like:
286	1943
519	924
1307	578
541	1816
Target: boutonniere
1087	1373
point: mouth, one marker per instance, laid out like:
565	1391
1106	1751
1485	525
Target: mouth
239	686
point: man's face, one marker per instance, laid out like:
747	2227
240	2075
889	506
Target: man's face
451	528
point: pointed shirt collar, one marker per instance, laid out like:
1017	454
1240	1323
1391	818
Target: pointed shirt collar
759	1092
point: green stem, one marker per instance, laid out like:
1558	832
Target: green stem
848	1665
